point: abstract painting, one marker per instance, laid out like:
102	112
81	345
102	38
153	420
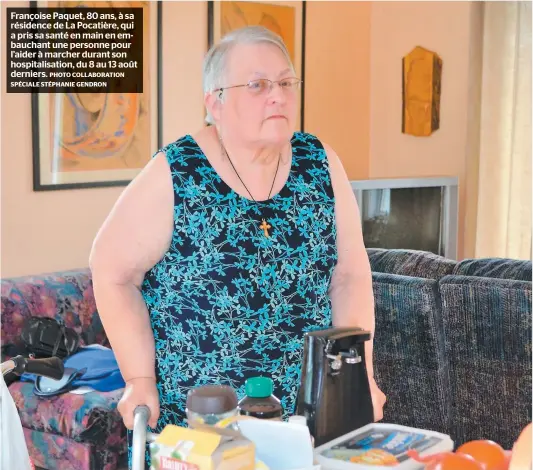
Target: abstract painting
286	19
87	140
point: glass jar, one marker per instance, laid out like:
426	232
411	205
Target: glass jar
210	404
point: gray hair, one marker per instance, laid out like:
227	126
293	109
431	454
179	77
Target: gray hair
216	59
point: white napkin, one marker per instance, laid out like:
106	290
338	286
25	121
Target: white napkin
280	445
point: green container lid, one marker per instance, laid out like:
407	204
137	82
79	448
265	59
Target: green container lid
259	387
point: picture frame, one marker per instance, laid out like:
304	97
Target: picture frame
286	18
65	155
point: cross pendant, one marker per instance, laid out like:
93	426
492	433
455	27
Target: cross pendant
265	226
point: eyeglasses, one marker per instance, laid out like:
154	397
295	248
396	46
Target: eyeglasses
264	85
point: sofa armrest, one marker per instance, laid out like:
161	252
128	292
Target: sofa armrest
66	296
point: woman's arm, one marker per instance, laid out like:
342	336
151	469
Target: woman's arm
133	238
351	291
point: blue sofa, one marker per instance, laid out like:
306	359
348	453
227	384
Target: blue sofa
453	343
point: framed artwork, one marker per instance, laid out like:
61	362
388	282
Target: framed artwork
89	140
287	19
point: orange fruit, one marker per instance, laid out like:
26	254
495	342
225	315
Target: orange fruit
447	461
487	452
457	462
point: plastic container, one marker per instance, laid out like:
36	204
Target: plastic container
259	401
210	404
380	446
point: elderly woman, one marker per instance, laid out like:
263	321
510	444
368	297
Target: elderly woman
231	244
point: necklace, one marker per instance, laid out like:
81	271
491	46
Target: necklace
265	226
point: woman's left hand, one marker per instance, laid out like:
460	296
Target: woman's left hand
378	399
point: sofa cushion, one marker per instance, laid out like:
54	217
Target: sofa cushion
410	363
65	295
90	417
409	263
488	325
502	268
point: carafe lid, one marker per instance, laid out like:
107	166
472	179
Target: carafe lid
212	399
259	387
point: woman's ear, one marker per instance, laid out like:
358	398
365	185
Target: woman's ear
213	103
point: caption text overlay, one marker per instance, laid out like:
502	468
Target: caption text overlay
82	50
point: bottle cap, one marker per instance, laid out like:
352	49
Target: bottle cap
259	387
296	419
212	399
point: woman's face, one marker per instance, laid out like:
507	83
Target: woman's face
261	112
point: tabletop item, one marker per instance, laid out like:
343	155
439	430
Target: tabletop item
334	393
202	448
210	404
301	421
259	401
279	444
380	446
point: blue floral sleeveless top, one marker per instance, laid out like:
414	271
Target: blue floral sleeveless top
227	302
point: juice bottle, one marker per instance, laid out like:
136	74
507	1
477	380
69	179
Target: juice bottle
259	401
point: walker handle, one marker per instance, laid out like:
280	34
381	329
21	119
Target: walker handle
141	416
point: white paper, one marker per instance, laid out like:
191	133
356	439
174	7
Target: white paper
280	445
13	450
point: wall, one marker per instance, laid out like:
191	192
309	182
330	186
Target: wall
337	77
470	195
41	231
47	231
353	70
396	28
452	29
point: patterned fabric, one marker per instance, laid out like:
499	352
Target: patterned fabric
409	263
488	343
502	268
409	357
54	452
227	302
67	295
75	432
90	417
